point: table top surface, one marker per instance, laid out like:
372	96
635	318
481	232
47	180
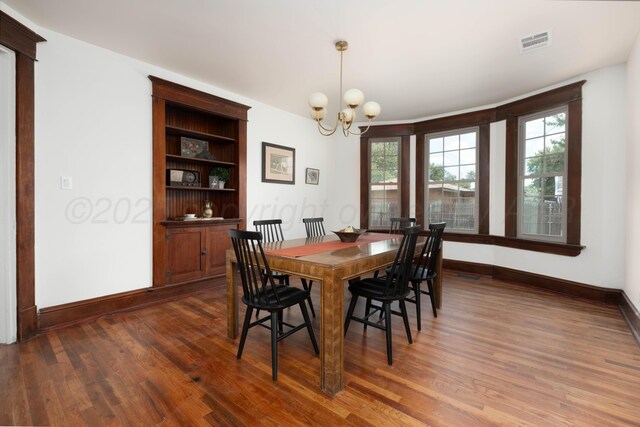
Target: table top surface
337	257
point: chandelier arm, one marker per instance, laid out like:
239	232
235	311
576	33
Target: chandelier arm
349	132
328	132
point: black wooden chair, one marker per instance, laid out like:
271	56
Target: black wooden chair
271	230
425	269
397	226
385	290
314	228
260	292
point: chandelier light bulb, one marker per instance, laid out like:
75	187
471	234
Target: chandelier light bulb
347	115
318	100
371	109
353	97
318	114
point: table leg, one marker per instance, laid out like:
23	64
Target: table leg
232	299
332	333
437	283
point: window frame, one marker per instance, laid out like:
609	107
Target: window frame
384	140
481	120
426	164
402	131
522	120
571	96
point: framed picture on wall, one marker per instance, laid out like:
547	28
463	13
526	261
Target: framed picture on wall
278	164
312	176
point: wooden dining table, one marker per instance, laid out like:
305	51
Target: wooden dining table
331	263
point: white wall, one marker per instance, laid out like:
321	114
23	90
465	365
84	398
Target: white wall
632	270
93	123
603	163
8	303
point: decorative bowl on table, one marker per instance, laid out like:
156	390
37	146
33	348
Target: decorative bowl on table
348	234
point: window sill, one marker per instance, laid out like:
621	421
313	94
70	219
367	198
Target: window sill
512	242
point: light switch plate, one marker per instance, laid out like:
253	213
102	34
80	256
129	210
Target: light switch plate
66	183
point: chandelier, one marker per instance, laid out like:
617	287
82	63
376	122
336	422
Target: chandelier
353	98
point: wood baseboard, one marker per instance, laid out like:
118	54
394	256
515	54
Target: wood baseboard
568	287
631	315
59	316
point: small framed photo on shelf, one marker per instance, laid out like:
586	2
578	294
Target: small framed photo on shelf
194	148
312	176
278	164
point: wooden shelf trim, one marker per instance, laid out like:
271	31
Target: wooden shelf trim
196	134
199	188
178	158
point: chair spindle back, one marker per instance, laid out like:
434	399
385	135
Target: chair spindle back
314	226
255	274
400	223
431	248
397	283
271	229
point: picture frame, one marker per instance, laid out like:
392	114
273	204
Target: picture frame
278	164
312	176
194	148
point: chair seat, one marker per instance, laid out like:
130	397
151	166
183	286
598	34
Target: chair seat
374	288
418	273
288	296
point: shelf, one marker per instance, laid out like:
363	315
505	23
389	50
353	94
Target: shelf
195	134
177	158
169	187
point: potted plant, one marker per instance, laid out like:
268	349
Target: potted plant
221	173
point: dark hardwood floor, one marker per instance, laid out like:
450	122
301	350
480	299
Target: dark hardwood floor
498	353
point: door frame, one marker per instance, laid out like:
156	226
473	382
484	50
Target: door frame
23	41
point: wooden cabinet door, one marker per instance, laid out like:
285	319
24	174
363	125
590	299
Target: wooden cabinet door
218	242
185	254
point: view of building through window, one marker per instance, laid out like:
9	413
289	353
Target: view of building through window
451	183
384	187
542	174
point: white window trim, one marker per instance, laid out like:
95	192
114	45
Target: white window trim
475	129
399	185
521	177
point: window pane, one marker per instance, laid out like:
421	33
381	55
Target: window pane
435	200
554	163
468	156
452	180
534	128
437	159
451	142
532	187
468	140
435	144
468	172
555	123
451	158
554	143
542	155
436	173
451	173
533	147
549	186
533	165
383	191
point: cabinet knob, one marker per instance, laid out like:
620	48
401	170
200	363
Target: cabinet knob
204	252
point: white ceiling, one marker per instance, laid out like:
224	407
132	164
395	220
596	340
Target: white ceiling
417	58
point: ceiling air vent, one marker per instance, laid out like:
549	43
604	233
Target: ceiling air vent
535	41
